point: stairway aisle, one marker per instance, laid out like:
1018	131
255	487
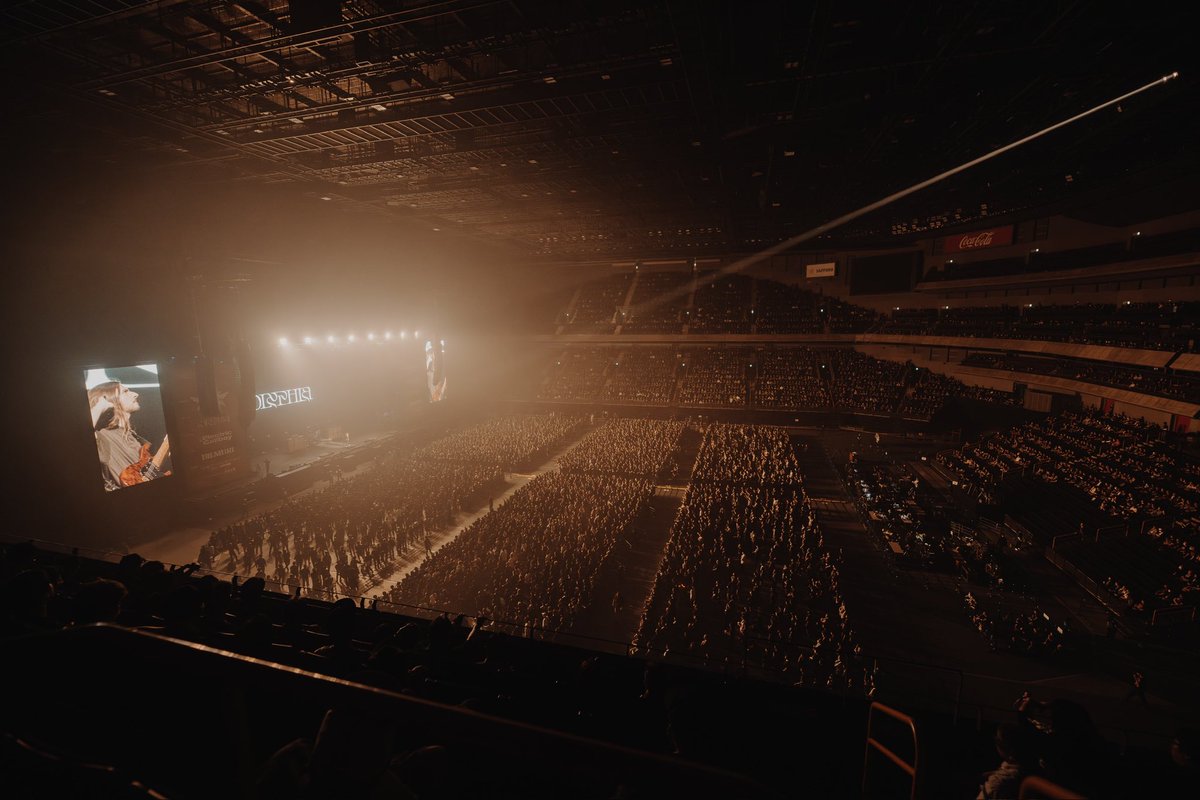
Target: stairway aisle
634	564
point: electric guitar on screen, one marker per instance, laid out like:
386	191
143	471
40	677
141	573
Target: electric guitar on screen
147	467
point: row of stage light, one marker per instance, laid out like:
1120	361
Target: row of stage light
351	338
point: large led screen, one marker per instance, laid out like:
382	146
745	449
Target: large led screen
435	370
130	427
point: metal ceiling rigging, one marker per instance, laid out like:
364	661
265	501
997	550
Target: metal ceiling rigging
582	130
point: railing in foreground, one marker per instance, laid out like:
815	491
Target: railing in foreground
912	770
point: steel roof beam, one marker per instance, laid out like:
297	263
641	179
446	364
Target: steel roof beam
308	38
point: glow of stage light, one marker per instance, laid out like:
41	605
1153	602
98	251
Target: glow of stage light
388	335
370	337
403	334
416	334
308	340
283	342
350	338
331	338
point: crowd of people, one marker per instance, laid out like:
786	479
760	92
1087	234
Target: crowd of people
1137	487
533	561
864	384
1057	740
594	307
791	378
339	538
722	304
739	304
579	373
1180	541
658	303
786	308
450	661
1155	326
1120	463
930	390
642	375
633	447
714	377
511	442
746	578
648	706
666	301
1026	631
1144	380
723	456
344	536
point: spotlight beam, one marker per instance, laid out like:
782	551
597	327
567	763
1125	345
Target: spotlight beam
787	244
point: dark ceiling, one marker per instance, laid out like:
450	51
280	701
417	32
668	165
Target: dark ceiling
613	129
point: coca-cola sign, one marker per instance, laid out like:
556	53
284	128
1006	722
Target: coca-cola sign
978	240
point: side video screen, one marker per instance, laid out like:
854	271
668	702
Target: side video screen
435	370
131	430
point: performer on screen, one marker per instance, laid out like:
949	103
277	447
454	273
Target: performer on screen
434	374
125	457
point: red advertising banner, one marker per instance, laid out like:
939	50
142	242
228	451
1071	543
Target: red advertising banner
212	450
978	240
1180	423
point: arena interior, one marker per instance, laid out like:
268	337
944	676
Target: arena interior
614	400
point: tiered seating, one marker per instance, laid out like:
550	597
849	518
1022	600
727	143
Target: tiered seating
1163	244
786	308
983	321
909	322
643	375
722	304
978	269
714	377
395	725
658	303
864	384
597	305
578	374
1157	382
791	378
1156	326
1100	476
930	390
799	378
847	317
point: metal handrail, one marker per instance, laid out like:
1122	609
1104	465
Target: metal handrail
1047	790
912	770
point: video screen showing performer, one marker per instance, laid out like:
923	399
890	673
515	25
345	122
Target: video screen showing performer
130	427
435	370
